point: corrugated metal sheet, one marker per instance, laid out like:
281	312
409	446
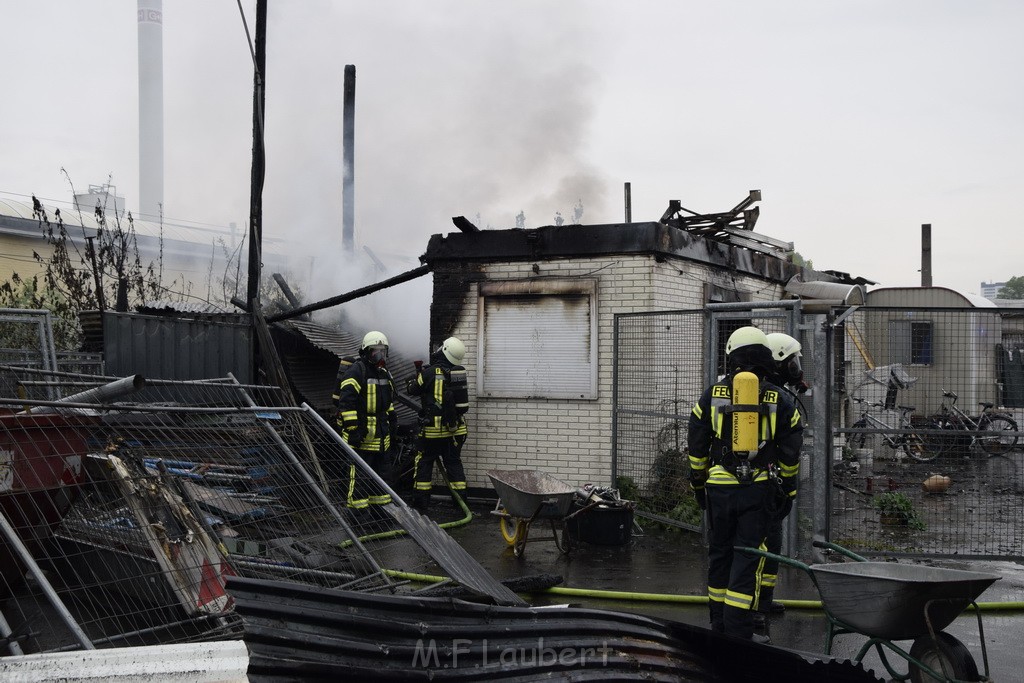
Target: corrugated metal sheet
314	379
177	348
310	634
339	342
213	662
200	307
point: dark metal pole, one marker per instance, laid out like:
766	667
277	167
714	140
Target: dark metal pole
348	211
258	156
629	204
926	255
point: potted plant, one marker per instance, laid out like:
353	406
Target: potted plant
896	509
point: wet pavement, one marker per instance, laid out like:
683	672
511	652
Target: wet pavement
673	562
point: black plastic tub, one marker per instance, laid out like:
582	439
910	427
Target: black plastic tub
602	525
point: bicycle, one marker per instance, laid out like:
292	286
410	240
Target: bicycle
909	442
994	430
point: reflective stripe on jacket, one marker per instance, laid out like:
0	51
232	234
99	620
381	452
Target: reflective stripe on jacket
780	433
366	401
430	385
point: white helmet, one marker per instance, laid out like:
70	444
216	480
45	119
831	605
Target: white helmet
783	346
745	336
374	338
454	350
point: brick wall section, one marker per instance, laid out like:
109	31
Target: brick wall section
570	439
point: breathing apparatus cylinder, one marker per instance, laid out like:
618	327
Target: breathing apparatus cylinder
460	389
745	431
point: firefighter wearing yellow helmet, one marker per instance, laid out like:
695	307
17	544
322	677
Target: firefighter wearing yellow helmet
744	442
444	398
367	421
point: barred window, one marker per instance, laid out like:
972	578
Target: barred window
911	342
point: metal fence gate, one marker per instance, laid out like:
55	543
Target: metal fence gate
880	434
663	362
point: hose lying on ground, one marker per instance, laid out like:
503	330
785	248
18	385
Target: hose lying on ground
1011	605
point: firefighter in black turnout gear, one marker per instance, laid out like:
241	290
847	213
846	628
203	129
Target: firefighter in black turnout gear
744	443
367	420
444	397
788	374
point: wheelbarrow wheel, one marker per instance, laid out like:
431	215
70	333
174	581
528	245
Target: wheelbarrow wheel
945	651
513	530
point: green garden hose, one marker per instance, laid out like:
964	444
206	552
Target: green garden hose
1010	605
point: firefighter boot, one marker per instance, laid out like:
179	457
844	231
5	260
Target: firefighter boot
762	630
421	503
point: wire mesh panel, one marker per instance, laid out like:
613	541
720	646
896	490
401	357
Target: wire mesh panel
26	340
134	514
662	367
659	375
927	457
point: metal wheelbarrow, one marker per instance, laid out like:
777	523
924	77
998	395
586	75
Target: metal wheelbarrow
887	602
527	496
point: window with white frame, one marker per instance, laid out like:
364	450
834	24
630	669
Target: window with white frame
538	339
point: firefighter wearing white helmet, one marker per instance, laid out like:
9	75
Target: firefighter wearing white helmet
367	420
741	430
444	400
788	374
454	350
787	371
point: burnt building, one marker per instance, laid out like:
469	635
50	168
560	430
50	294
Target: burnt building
536	309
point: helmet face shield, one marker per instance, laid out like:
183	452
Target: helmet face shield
377	355
791	369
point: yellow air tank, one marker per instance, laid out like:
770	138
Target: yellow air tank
745	433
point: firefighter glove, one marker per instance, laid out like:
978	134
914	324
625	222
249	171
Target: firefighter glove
356	436
697	478
785	507
781	502
701	496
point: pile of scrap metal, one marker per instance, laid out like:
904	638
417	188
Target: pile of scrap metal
164	501
294	632
734	227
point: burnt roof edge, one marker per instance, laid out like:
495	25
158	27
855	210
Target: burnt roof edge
568	241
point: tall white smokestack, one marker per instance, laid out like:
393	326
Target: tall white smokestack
151	109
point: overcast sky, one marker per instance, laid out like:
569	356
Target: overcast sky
858	120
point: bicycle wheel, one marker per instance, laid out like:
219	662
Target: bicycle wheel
936	444
917	448
858	440
998	444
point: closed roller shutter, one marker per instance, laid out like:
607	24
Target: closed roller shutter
539	346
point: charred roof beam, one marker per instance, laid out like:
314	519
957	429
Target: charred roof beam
354	294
